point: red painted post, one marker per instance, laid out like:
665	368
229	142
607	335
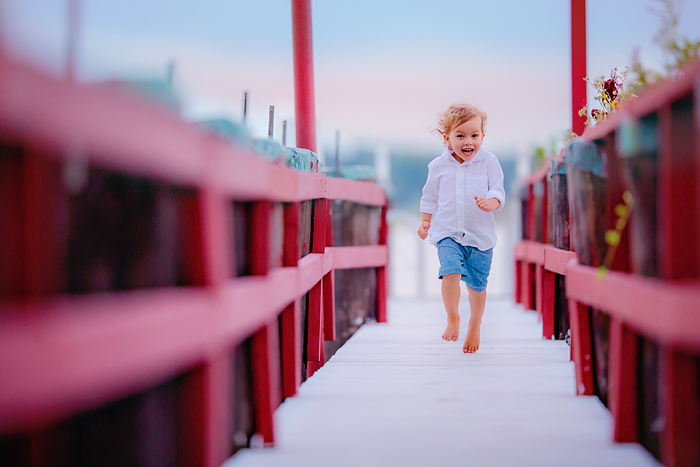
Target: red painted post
259	243
329	306
545	211
623	382
41	267
290	253
266	377
318	242
303	75
382	279
218	402
578	63
291	349
679	169
518	282
548	290
581	347
531	212
679	440
539	286
314	337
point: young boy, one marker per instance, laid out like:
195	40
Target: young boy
464	187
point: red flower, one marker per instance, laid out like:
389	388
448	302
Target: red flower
610	89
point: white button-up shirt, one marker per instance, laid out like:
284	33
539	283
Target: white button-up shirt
449	193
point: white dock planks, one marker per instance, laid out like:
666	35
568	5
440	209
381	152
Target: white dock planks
397	395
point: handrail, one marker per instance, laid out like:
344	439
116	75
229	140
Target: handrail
650	291
62	354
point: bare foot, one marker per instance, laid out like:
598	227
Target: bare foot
452	331
471	342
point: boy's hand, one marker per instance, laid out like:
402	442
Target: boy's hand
487	205
423	230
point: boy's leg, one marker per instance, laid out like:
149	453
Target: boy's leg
450	297
477	303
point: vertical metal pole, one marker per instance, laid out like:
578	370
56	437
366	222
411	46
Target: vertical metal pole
284	132
245	106
170	77
578	63
303	75
337	153
271	122
72	42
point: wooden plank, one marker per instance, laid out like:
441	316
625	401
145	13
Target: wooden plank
111	129
666	312
389	374
555	260
356	191
349	257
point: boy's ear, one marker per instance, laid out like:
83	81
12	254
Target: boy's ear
446	138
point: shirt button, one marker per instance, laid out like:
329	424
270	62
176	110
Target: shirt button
459	189
460	168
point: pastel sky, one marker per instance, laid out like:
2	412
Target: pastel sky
383	68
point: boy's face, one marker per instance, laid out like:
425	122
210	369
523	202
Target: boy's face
466	139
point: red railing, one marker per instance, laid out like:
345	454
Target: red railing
650	292
65	353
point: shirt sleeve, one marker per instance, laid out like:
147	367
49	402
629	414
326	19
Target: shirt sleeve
495	176
429	200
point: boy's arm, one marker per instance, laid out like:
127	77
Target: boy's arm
428	203
487	204
496	191
424	226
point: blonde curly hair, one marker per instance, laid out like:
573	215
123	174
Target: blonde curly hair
458	114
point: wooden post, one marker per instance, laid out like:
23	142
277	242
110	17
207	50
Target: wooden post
266	377
539	286
679	169
314	336
259	242
679	440
291	349
578	63
623	382
303	75
548	293
518	282
581	347
290	249
329	306
218	409
382	279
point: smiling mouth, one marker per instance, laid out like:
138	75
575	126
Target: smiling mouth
468	151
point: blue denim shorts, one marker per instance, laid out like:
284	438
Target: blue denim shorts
473	263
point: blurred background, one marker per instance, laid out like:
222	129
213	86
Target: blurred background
383	71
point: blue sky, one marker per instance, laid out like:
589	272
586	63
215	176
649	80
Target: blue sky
383	68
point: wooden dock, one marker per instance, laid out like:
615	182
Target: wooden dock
397	395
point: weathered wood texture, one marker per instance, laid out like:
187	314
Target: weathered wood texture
355	289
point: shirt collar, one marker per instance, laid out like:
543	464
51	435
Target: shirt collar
448	154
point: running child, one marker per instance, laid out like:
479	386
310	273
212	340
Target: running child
464	187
